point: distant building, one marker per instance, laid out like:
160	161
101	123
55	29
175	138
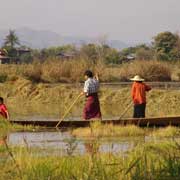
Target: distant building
131	57
3	58
21	51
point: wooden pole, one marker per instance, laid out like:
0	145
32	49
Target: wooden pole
68	110
125	110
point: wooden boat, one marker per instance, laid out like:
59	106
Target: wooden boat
144	122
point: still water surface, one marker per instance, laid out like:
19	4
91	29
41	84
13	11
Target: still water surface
63	143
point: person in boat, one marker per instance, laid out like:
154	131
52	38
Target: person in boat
3	109
92	105
138	93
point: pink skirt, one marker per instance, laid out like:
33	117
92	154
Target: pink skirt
92	107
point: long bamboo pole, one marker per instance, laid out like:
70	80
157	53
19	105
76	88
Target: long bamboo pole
68	110
124	112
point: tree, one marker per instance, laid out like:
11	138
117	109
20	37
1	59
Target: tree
91	52
112	57
165	45
11	39
133	50
144	54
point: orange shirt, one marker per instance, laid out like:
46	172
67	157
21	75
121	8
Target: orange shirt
138	92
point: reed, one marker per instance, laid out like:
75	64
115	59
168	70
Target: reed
150	161
169	131
146	161
6	127
108	130
55	71
150	70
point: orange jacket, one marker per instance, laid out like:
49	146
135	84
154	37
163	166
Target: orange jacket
138	92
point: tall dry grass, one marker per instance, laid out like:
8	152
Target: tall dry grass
54	70
150	70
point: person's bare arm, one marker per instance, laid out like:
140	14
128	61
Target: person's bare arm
83	93
96	77
85	90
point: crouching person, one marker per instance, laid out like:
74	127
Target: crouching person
3	109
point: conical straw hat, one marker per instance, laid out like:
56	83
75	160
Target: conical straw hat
137	78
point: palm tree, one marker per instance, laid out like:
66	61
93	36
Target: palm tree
11	39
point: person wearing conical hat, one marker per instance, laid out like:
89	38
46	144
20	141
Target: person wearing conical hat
138	93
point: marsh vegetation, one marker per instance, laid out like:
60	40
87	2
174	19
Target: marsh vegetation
150	160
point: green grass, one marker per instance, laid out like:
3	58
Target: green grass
109	130
150	161
6	127
169	131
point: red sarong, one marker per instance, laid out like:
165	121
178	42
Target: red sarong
92	107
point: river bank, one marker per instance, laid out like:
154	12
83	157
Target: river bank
25	98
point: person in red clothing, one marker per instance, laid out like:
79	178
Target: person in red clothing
3	109
138	93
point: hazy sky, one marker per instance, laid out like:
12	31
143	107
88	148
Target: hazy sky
126	20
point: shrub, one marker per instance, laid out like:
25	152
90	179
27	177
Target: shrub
54	70
33	72
150	70
3	78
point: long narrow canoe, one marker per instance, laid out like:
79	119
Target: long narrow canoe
144	122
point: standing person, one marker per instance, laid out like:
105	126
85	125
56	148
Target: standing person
138	93
3	109
91	87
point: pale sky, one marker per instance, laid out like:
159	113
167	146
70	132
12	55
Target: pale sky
126	20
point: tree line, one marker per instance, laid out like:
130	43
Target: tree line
165	46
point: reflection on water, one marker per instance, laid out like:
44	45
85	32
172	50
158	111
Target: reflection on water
63	142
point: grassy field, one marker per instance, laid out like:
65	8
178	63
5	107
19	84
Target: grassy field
26	98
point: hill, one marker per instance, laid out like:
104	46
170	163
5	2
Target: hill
45	38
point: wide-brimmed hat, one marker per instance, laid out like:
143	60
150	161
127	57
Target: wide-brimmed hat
137	78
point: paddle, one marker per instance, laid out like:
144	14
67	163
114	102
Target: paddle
68	110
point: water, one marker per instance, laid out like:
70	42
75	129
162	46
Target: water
63	142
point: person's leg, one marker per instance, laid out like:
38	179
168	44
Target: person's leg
98	109
86	109
135	113
143	110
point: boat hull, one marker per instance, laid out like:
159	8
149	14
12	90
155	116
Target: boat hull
144	122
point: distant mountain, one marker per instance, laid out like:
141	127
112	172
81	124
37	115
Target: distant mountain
43	39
